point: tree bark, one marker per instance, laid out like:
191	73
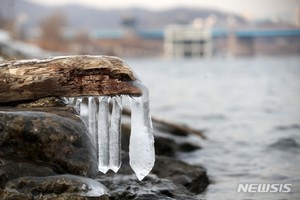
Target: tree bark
68	76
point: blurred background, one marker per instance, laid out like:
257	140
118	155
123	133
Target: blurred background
231	68
173	29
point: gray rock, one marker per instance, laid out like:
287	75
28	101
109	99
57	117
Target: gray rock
124	187
12	168
193	178
37	146
54	187
40	144
163	146
177	177
54	138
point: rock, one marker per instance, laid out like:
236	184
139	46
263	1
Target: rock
64	187
285	144
184	178
163	146
188	147
151	188
40	144
12	168
193	178
169	147
55	138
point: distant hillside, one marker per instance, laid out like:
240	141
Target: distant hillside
91	18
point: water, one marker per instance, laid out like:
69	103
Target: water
250	109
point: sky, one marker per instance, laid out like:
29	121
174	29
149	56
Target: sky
252	9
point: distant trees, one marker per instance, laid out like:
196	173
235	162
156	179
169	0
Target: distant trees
2	21
52	27
7	14
81	43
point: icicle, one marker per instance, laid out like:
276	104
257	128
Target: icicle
71	100
141	147
105	129
92	118
103	135
115	135
84	111
77	102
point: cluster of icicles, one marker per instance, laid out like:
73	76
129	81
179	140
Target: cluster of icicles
105	128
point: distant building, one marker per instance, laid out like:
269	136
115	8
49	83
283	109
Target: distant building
254	42
182	41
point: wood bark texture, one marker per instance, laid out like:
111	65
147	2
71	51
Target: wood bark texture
68	76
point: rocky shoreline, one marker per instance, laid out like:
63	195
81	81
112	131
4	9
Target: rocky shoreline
46	153
169	179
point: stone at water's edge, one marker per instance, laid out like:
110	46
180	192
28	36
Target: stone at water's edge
38	146
57	139
37	142
60	187
169	179
42	140
151	188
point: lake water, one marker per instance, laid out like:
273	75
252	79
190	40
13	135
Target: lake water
250	109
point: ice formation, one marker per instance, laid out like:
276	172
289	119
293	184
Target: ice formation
141	146
104	125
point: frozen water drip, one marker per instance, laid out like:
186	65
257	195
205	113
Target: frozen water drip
105	129
115	134
141	146
103	135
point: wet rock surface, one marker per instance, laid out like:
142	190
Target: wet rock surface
57	139
152	187
169	179
54	187
39	144
164	146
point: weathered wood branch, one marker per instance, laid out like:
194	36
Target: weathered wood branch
68	76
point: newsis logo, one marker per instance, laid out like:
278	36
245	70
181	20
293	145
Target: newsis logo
264	187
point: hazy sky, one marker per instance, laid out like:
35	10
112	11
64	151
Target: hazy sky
249	8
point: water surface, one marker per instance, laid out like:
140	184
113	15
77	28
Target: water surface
250	108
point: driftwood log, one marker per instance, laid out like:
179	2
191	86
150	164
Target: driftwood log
69	76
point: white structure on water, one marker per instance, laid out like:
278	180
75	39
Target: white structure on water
184	41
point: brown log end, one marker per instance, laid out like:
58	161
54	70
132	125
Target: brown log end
66	76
